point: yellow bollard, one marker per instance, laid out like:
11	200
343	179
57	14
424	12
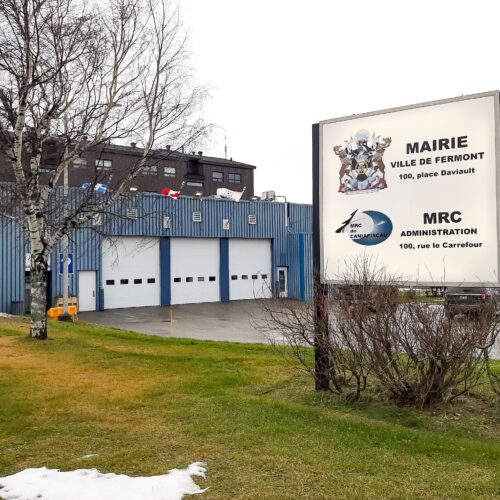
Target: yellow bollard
55	312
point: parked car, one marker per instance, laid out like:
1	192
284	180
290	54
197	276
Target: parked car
374	298
471	301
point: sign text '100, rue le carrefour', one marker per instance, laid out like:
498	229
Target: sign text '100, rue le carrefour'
414	188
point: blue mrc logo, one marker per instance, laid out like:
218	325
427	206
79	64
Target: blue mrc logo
367	228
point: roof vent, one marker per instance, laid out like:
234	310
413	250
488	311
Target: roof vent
133	144
167	147
200	153
196	216
268	196
252	219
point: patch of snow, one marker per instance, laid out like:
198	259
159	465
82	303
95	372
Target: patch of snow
90	484
5	315
90	455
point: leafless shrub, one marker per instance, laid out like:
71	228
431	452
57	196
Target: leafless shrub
409	351
421	358
492	372
288	326
291	328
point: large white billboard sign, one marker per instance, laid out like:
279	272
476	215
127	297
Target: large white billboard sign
414	188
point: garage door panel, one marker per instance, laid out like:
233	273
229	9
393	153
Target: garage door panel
195	270
249	269
131	272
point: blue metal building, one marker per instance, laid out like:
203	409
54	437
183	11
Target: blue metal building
177	251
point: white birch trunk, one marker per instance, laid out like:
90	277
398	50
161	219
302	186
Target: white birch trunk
39	281
39	275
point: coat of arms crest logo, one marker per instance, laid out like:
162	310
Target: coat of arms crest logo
362	169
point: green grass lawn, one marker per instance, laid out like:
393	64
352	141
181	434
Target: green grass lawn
144	405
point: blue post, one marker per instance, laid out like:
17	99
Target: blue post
165	271
224	270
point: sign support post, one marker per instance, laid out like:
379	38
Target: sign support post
321	358
65	316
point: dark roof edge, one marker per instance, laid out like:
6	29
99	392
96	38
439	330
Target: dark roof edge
172	154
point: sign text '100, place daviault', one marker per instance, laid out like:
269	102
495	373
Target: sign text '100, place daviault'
414	188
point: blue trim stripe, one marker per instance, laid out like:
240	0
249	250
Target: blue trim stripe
100	305
224	270
165	294
302	267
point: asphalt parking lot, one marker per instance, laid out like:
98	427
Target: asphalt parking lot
230	321
224	321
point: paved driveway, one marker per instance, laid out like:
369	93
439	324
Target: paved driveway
229	321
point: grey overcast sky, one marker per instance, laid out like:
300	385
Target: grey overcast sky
275	67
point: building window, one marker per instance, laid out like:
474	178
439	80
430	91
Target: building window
217	176
169	171
194	184
234	178
150	170
80	163
104	165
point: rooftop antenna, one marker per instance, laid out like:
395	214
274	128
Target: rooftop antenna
225	139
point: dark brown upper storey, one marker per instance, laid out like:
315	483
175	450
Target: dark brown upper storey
109	164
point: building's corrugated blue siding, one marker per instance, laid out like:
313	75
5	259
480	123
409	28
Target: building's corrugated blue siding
85	244
300	271
300	218
152	208
308	266
300	284
12	262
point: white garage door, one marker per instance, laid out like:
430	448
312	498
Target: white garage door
131	272
249	269
195	270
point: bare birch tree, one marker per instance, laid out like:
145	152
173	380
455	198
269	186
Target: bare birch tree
78	75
